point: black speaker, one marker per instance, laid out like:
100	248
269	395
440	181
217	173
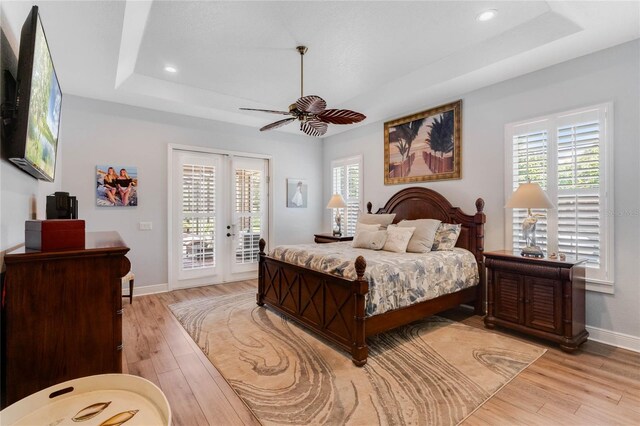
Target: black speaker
61	205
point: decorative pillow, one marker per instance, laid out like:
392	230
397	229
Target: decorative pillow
383	220
398	238
367	227
422	239
372	240
446	236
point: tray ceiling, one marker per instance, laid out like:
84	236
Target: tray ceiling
381	58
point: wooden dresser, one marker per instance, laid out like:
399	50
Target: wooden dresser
541	297
62	314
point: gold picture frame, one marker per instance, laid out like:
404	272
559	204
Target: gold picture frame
425	146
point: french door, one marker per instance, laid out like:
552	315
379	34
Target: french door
219	205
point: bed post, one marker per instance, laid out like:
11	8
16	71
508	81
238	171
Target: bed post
260	294
480	220
359	350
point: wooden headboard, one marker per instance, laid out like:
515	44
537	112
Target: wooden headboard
422	203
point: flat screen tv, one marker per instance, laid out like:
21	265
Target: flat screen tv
34	138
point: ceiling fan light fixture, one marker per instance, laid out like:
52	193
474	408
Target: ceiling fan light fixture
170	69
311	111
487	15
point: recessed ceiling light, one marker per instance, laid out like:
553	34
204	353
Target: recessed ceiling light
170	69
487	15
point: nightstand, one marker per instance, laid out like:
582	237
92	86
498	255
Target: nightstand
540	297
330	238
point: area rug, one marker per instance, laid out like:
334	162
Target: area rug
432	372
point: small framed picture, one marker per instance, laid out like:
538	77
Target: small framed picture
116	185
297	193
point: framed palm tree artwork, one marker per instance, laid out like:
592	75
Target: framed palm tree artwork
424	146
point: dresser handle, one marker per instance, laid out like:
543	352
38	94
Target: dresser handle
119	311
119	347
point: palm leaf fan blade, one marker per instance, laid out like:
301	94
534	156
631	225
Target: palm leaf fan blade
277	124
312	104
314	127
267	110
340	116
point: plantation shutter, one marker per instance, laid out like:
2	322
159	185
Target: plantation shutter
568	155
579	187
248	210
198	216
352	198
347	181
530	163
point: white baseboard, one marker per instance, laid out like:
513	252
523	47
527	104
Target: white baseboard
612	338
146	289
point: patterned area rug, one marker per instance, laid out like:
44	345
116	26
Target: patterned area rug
433	372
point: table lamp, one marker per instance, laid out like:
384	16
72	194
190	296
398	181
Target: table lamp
337	202
530	196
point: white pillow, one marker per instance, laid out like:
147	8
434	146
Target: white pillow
373	240
398	238
422	238
383	220
367	227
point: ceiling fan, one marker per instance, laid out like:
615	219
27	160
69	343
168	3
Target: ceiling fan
311	110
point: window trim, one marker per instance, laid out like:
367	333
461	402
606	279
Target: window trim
607	243
343	162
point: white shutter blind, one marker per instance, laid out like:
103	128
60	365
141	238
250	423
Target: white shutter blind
249	212
347	181
530	162
198	213
352	198
579	213
569	155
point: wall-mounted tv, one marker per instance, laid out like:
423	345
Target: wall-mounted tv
34	139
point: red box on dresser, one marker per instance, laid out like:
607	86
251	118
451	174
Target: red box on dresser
54	234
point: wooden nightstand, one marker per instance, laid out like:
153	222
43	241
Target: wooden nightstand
330	238
541	297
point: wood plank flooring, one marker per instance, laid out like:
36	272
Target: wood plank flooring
599	384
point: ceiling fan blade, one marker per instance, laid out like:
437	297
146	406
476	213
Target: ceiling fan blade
314	127
340	116
312	103
267	110
277	124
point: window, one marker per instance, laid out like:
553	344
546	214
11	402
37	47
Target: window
198	212
568	154
249	213
346	179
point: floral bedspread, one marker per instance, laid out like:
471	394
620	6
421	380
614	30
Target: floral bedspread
395	280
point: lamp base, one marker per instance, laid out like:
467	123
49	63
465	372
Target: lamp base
532	251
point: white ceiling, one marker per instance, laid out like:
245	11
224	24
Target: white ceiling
383	59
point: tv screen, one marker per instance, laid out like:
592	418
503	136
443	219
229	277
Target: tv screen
39	99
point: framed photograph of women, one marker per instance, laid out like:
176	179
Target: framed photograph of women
297	193
424	146
116	185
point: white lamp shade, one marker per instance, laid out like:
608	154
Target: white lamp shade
336	202
529	196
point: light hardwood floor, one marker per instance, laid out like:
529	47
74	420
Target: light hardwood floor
597	385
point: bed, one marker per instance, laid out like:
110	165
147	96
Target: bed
334	307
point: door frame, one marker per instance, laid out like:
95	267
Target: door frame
171	150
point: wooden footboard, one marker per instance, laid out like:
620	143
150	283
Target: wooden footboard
331	306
